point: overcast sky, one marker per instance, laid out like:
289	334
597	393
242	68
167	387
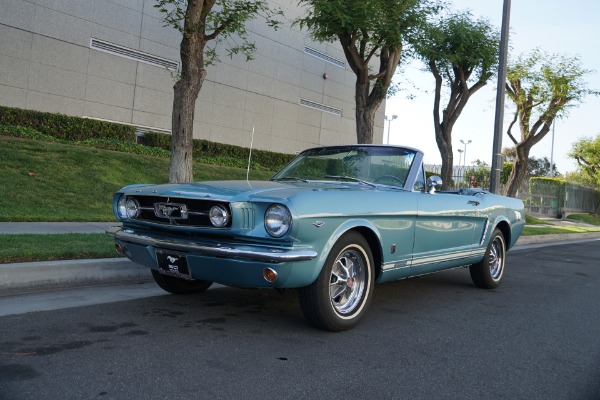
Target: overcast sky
569	28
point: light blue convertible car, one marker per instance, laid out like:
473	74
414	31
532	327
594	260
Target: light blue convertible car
332	223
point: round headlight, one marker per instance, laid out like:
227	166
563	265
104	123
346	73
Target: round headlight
121	209
278	220
219	216
132	208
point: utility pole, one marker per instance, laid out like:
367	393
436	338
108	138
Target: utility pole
497	164
552	151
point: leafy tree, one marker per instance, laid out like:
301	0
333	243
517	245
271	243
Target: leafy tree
535	166
370	32
542	87
203	25
586	151
462	54
478	175
541	167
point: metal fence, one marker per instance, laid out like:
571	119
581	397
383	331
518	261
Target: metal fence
540	197
461	177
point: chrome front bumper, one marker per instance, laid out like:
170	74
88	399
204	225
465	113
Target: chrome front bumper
247	252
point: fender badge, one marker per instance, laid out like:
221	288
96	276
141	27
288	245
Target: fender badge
318	224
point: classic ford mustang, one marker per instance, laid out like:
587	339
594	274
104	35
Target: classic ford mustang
331	223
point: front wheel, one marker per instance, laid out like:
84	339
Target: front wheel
340	296
488	273
175	285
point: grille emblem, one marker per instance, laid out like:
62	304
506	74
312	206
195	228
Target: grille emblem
170	210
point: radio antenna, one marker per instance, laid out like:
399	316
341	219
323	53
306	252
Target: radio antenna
250	154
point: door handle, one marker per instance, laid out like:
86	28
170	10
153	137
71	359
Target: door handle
473	202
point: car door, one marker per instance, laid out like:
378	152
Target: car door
444	228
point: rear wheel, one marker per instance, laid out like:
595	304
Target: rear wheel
175	285
488	273
340	296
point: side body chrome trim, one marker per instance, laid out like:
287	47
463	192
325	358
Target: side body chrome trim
248	252
485	231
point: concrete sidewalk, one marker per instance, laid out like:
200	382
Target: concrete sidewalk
36	276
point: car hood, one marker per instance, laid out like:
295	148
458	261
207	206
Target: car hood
232	191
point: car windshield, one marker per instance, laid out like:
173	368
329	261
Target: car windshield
360	164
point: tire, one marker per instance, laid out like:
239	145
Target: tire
175	285
341	294
488	273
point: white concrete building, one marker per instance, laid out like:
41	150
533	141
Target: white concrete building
114	60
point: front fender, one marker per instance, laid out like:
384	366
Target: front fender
345	227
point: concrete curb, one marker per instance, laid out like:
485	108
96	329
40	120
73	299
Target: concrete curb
22	277
536	239
36	276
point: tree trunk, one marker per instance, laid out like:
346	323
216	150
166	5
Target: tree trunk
365	113
447	165
186	92
519	171
184	104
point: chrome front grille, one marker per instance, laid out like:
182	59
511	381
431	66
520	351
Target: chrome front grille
177	210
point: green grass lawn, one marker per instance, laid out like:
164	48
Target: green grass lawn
68	246
587	218
43	181
529	220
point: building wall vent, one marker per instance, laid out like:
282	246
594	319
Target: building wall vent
132	54
324	57
321	107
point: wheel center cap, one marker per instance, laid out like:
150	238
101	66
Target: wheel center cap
350	282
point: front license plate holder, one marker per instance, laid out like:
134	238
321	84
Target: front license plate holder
174	264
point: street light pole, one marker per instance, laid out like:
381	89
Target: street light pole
462	170
465	143
389	120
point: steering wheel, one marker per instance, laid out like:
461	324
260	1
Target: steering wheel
389	178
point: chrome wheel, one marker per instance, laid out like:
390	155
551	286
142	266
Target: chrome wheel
341	294
496	258
488	273
347	282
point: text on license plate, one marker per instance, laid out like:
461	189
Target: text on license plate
172	263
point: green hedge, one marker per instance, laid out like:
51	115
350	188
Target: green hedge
207	151
107	135
25	133
65	127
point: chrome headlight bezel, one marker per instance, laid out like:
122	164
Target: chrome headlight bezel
121	208
128	208
278	220
219	216
132	208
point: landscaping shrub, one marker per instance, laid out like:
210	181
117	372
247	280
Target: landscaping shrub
124	147
226	154
25	133
120	137
66	127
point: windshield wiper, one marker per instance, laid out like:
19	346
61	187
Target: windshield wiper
350	179
291	178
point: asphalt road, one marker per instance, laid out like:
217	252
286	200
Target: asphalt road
436	337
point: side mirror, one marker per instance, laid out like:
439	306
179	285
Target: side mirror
433	183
